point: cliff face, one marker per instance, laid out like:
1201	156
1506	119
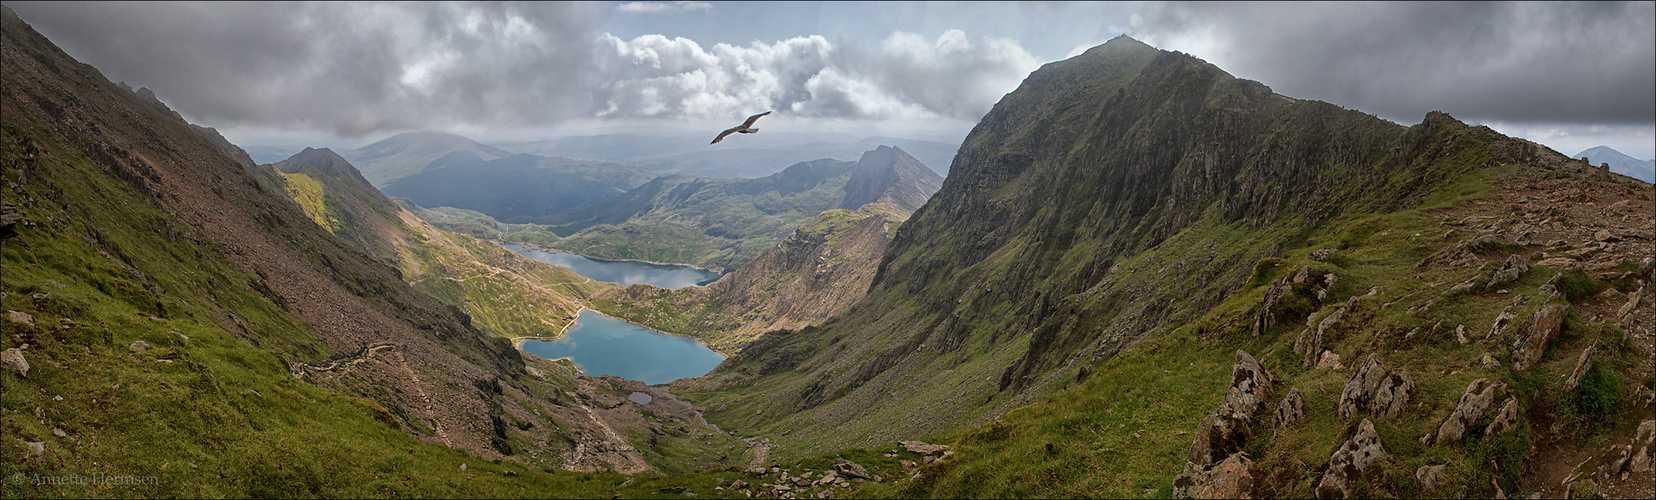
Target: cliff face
888	174
1046	248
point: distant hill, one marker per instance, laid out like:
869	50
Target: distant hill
754	157
407	154
514	186
271	154
1644	170
722	223
815	273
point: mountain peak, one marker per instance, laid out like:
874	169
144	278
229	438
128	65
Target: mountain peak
889	174
328	162
1620	163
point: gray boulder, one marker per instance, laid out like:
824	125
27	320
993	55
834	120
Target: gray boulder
1429	476
1226	430
1584	363
1290	410
1505	420
848	468
12	359
1347	464
1375	390
1231	478
20	317
1477	399
1515	267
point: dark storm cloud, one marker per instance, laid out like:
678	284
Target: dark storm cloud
1515	62
347	67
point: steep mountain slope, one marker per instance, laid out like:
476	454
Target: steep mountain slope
514	186
723	223
1644	170
812	275
1112	196
170	318
504	293
407	154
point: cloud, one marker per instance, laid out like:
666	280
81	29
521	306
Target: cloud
1508	61
907	77
355	69
653	7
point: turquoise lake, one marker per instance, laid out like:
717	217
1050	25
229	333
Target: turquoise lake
602	345
627	273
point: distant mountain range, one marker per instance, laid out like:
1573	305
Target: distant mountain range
1644	170
756	156
513	186
407	154
722	224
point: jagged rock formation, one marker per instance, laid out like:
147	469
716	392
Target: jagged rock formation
1478	397
1529	347
1231	478
1375	390
1347	463
1226	430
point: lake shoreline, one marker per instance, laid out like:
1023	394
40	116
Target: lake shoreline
519	342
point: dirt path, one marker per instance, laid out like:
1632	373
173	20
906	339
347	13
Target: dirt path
299	371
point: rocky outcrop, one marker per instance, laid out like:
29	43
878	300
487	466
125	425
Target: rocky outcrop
1529	347
1290	410
1375	390
1217	466
1309	342
1505	420
1644	439
1266	317
1348	463
1231	478
1226	430
888	174
1515	266
1479	395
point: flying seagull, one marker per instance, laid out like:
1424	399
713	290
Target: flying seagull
746	128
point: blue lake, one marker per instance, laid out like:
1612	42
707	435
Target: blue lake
627	273
602	345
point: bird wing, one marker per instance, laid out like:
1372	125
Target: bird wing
722	135
754	118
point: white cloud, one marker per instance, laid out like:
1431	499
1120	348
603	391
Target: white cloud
907	77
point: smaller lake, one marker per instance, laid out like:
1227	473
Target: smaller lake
602	345
625	272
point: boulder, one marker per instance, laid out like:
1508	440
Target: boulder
20	317
1322	255
1290	410
1231	478
1529	347
1376	390
1429	476
12	359
1515	267
138	346
1488	362
1347	464
1330	361
848	468
1505	420
922	447
1226	430
1477	399
1584	363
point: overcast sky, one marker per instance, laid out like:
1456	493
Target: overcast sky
1568	75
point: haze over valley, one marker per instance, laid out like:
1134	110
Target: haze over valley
958	250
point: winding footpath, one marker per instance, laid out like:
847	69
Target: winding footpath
299	370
